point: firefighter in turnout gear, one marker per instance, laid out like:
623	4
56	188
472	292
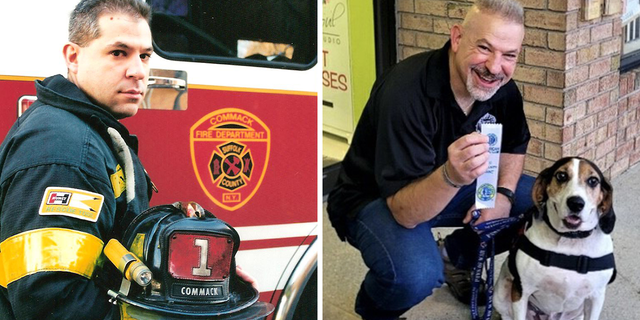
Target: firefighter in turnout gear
70	177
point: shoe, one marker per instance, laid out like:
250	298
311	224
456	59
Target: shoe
459	281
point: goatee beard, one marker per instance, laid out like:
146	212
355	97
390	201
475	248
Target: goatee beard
482	94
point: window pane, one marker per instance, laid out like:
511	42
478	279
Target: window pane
630	36
266	33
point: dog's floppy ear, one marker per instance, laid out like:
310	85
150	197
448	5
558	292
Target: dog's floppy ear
605	207
539	190
608	216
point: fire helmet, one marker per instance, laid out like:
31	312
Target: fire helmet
192	262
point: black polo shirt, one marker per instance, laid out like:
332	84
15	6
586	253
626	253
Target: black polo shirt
406	126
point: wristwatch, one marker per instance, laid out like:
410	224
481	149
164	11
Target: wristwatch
507	193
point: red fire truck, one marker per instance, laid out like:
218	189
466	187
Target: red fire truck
230	121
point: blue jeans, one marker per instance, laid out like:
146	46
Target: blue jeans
405	265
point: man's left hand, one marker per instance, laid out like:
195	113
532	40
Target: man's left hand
501	210
247	278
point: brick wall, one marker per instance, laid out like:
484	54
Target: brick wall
576	100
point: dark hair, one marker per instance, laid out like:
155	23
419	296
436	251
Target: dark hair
83	23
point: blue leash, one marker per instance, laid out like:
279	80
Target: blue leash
487	231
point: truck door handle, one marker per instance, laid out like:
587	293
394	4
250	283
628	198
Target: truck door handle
166	82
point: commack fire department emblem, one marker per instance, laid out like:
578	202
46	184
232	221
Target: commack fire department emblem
230	152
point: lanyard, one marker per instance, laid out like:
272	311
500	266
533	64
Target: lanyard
487	231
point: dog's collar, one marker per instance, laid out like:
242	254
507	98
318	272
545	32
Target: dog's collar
570	234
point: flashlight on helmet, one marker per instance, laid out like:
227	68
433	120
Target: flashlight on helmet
131	267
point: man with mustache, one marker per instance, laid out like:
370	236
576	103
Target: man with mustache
415	156
70	177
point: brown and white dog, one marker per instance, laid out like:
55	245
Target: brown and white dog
560	267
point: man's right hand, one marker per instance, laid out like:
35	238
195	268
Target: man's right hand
423	199
468	158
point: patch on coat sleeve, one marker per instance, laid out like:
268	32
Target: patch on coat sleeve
75	203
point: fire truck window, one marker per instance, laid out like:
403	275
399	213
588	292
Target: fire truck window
262	33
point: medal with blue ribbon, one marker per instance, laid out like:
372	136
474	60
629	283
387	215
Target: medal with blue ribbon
485	262
486	186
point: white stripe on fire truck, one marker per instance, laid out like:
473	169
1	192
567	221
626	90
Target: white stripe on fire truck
276	231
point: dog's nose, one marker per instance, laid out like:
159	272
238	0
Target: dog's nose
575	204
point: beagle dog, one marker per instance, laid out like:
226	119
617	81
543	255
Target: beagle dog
560	267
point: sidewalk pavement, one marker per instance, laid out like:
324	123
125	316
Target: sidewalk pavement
343	269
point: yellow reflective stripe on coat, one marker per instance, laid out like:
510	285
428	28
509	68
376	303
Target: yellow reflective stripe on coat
50	249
